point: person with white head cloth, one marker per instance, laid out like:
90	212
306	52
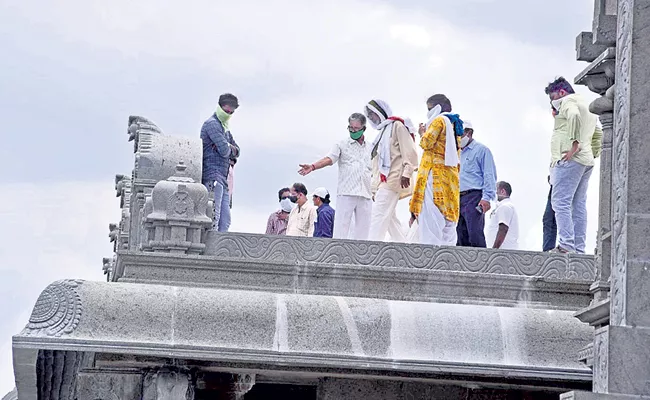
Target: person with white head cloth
436	196
394	160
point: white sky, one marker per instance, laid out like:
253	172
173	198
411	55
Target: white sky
72	72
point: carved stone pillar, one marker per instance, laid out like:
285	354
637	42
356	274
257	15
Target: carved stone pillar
222	386
168	384
600	287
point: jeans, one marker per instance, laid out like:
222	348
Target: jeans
570	181
550	228
221	216
471	224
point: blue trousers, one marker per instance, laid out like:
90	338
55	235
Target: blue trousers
221	212
550	227
471	222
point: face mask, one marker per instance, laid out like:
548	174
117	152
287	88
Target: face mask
464	141
222	115
286	205
356	135
434	112
293	199
557	104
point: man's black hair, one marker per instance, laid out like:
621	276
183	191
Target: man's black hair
325	200
282	191
228	99
445	103
505	186
559	84
300	188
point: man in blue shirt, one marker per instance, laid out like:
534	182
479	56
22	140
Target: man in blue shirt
478	177
220	151
324	224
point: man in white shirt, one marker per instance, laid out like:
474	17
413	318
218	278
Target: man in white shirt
354	196
303	216
503	231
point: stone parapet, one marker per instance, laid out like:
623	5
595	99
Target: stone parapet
553	291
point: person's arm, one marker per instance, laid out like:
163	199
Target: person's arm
597	141
408	152
504	217
215	132
501	236
489	176
310	220
572	114
269	226
305	169
330	159
431	134
237	150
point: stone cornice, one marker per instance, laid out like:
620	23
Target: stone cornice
596	314
354	280
598	76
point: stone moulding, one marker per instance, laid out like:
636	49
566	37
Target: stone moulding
355	280
57	310
303	251
599	74
321	332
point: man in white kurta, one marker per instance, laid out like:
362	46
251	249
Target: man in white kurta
394	161
354	197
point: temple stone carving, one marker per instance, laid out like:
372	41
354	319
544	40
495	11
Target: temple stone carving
188	313
620	311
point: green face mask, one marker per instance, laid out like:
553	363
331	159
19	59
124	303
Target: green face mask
356	135
223	116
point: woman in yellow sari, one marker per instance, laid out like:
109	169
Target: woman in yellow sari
436	197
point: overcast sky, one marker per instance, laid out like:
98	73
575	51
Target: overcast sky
71	72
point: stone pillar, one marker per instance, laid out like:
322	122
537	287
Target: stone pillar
223	386
625	344
600	287
167	384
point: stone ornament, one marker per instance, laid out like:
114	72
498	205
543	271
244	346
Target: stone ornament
57	310
620	163
289	250
167	384
175	218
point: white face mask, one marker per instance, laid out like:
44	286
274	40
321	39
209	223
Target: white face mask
434	112
464	141
286	205
557	104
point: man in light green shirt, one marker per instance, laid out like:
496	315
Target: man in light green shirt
576	142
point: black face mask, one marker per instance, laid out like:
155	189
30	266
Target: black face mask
294	199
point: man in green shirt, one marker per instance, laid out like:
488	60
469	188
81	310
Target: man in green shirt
576	142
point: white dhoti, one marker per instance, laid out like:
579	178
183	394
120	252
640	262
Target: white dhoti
349	208
384	217
434	229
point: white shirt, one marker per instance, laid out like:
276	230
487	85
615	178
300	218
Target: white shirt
355	167
301	220
504	213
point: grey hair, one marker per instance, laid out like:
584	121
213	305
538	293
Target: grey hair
358	117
